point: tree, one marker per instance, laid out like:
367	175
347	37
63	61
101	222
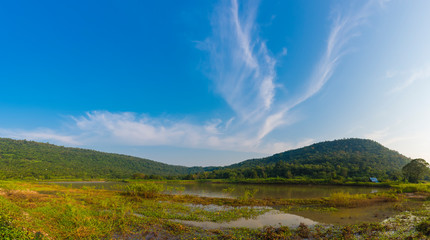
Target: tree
415	170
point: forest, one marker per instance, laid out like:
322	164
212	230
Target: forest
343	160
346	159
21	159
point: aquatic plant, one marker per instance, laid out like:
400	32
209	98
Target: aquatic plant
146	190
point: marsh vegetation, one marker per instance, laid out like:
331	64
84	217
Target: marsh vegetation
30	210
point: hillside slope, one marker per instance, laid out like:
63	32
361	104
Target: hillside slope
28	159
347	158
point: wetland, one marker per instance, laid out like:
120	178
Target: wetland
187	210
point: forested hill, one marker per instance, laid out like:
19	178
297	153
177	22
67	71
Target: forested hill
348	158
28	159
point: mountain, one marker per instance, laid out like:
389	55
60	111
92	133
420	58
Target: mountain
347	158
28	159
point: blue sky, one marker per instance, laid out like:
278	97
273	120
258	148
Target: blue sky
215	82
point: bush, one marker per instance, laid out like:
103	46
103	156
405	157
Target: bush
346	200
7	231
411	188
424	227
275	233
146	190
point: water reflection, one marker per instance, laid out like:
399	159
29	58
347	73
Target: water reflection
263	191
272	218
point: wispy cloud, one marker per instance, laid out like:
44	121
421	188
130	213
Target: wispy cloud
243	69
407	78
344	27
244	74
134	130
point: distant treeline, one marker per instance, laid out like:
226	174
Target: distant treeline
306	171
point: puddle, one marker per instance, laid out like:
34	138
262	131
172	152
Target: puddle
213	207
369	214
272	218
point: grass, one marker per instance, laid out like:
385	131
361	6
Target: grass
46	211
412	187
360	200
146	190
302	181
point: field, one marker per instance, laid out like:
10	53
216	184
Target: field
147	210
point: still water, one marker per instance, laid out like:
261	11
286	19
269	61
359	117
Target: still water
224	190
262	191
274	217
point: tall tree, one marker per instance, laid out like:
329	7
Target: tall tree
415	170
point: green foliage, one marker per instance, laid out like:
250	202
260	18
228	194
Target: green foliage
415	170
7	231
336	161
345	199
248	194
424	227
146	190
341	160
412	187
229	190
20	159
282	232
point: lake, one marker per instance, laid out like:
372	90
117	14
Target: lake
277	191
263	191
225	190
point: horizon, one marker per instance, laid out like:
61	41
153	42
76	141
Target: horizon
213	84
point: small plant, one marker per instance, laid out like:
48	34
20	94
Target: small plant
248	194
7	231
346	200
275	233
146	190
228	190
303	231
424	227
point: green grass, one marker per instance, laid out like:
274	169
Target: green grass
33	211
412	187
146	189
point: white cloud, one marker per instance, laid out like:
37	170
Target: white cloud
344	28
131	129
243	69
408	78
244	73
41	135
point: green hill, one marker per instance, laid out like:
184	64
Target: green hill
27	159
339	159
346	158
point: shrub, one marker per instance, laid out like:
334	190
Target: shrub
346	200
424	227
275	233
303	231
146	190
7	231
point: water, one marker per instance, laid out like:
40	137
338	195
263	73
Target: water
263	191
272	218
224	190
